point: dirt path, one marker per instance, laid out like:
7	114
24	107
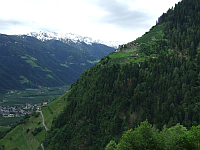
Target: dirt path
44	126
43	121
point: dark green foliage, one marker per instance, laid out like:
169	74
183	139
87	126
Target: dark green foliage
156	47
27	130
2	147
24	120
147	137
50	110
182	26
15	148
108	100
35	114
37	130
111	145
143	137
27	116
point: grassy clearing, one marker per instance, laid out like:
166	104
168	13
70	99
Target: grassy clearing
15	139
53	109
155	33
118	54
33	123
40	136
22	138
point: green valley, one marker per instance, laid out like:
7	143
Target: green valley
21	136
144	95
27	62
32	96
155	79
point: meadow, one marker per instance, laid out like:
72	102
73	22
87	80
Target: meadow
15	139
53	109
32	96
23	133
118	54
21	136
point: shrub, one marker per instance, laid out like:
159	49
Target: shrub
37	130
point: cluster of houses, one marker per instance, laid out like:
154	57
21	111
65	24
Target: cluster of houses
128	45
39	107
18	111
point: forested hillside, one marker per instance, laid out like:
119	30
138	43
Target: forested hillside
158	80
111	98
28	62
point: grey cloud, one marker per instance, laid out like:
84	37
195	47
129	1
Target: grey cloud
4	24
122	16
9	24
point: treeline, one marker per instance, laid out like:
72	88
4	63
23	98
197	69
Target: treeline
147	136
155	47
110	99
182	26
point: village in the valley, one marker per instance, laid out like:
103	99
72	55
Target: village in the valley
18	111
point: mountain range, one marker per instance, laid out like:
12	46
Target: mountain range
144	95
29	62
71	38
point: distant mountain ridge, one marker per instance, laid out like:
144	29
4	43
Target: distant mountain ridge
26	61
70	37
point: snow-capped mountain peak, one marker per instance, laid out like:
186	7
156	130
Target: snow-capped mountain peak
71	37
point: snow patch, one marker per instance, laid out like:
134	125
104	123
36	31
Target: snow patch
71	37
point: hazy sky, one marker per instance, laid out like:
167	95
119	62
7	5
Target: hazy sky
110	20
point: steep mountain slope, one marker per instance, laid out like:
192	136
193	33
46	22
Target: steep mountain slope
120	91
9	78
111	98
97	48
31	62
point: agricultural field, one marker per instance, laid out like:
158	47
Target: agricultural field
21	136
4	128
23	133
118	54
32	96
8	121
15	139
53	109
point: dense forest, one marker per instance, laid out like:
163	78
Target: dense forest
110	99
152	103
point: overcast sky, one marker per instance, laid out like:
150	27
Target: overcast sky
109	20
